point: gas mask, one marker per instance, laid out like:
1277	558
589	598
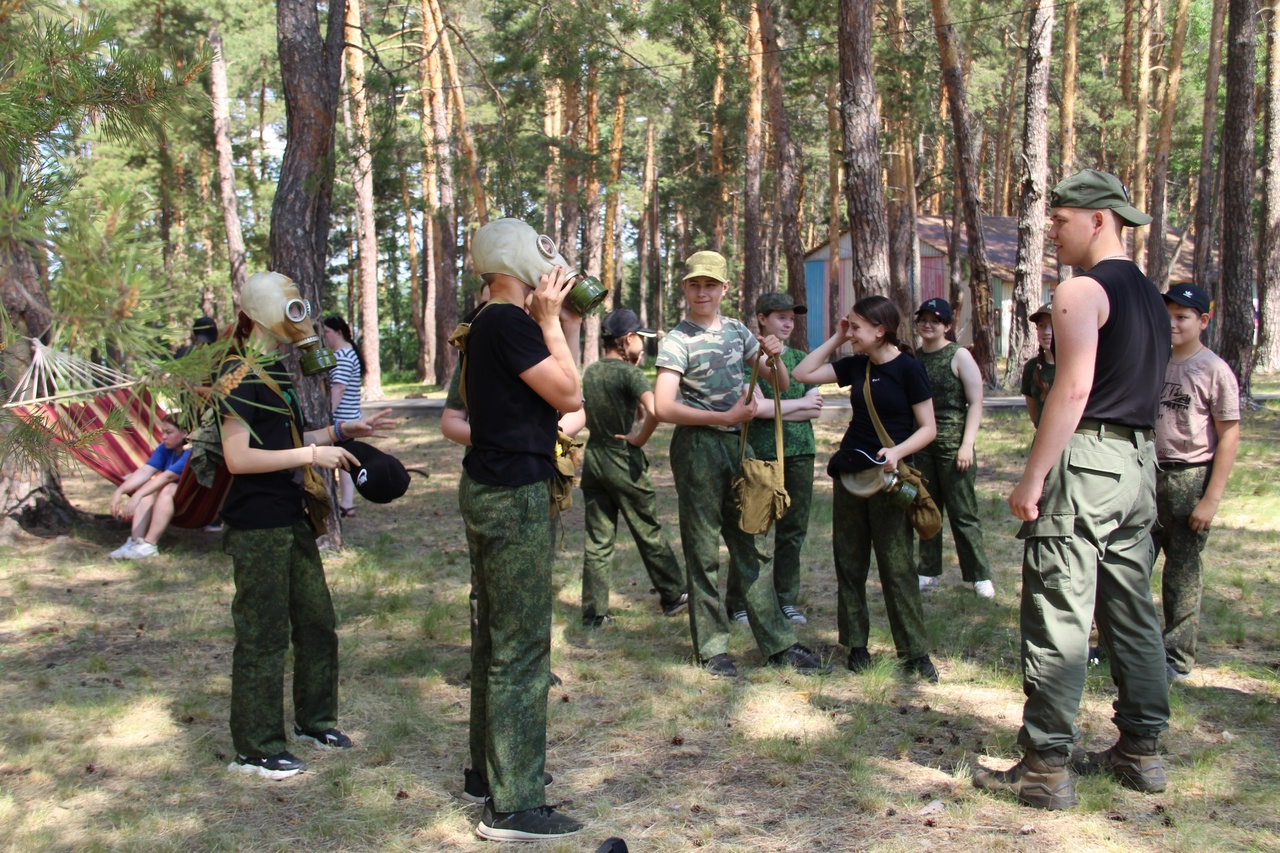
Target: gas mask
273	302
512	247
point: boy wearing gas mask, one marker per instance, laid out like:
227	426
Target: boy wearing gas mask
518	371
280	584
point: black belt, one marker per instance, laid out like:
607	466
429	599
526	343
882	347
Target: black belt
1183	466
1115	432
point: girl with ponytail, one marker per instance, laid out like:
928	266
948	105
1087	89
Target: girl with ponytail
344	393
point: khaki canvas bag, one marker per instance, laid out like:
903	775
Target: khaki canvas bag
923	513
759	490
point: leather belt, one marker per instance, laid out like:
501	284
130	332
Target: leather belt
1115	432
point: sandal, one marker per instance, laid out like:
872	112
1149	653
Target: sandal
346	512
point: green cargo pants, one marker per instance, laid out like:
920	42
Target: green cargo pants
509	539
1178	490
788	532
953	491
1092	545
704	462
280	594
858	525
614	481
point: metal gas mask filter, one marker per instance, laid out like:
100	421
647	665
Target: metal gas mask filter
273	302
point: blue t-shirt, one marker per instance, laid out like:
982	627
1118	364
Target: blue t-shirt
173	461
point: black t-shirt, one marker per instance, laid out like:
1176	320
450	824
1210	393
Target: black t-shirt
896	386
1133	348
273	499
513	430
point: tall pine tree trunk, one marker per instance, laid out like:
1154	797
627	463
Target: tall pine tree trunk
1141	107
1206	197
1158	262
1067	109
1268	353
901	206
609	277
446	226
833	208
646	237
591	231
457	87
362	186
226	166
753	257
717	147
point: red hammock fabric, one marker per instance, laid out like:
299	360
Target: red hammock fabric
117	455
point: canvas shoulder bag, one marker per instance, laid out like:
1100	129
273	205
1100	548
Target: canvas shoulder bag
922	512
315	491
759	490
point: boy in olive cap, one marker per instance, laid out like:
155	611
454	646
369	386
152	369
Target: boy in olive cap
801	403
615	472
1087	502
1197	435
701	388
519	370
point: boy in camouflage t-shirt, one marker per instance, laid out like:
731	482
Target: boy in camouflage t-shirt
700	388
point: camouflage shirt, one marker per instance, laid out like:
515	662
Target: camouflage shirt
797	436
711	363
949	402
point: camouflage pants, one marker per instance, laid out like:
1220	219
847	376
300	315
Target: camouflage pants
280	594
509	539
789	533
953	491
704	462
1089	554
857	526
1178	490
628	491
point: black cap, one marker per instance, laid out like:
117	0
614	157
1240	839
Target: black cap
1190	296
624	321
381	478
205	330
1045	310
938	307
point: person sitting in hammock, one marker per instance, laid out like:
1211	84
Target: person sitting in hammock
146	495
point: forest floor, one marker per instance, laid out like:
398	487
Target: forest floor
115	682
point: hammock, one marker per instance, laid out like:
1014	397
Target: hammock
72	397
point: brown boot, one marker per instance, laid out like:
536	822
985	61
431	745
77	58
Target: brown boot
1134	761
1040	779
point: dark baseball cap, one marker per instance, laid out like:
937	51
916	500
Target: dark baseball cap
205	330
1094	190
381	478
938	307
779	302
621	322
1045	310
1190	296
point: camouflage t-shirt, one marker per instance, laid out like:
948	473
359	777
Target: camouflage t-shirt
949	402
711	363
611	392
797	436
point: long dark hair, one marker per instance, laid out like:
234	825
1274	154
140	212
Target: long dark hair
880	311
339	325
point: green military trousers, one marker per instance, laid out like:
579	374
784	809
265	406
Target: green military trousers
789	534
1091	545
280	594
704	462
1178	490
953	491
509	539
857	526
616	480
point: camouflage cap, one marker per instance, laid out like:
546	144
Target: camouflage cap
779	302
1094	190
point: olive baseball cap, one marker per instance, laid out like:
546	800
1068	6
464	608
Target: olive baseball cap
708	263
511	247
1094	190
779	302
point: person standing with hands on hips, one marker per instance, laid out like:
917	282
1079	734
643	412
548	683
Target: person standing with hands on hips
1087	500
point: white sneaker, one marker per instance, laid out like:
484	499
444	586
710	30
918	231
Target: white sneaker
985	589
794	615
740	616
927	582
124	551
142	550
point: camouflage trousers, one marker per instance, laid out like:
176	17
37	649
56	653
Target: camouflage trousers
628	491
509	539
704	462
953	491
280	594
1178	490
857	526
788	536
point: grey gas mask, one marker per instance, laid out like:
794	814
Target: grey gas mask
273	302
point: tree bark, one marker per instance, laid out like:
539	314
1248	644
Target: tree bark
1141	107
591	232
717	146
984	351
1029	271
901	203
1067	113
1158	262
457	87
611	280
1206	197
1237	196
1268	352
833	207
446	226
753	259
646	237
226	166
860	125
551	123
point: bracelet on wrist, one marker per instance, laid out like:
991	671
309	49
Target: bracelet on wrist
337	431
314	450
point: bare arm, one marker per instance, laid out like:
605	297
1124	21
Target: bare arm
1033	408
670	409
926	432
555	378
816	367
243	459
771	347
970	377
805	408
455	426
1223	459
571	423
130	485
335	395
639	438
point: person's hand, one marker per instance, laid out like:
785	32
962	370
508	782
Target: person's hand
331	458
372	426
547	300
742	411
118	500
891	457
130	509
771	346
1024	500
632	438
1202	516
842	332
964	459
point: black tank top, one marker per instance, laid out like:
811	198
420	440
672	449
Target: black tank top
1133	348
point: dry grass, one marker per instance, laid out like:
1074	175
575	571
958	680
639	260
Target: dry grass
115	694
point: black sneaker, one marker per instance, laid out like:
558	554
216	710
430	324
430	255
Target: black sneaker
801	659
860	659
720	665
327	739
282	765
922	667
676	607
475	789
528	825
596	621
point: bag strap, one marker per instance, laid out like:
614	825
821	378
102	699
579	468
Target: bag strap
777	409
462	380
270	382
871	408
